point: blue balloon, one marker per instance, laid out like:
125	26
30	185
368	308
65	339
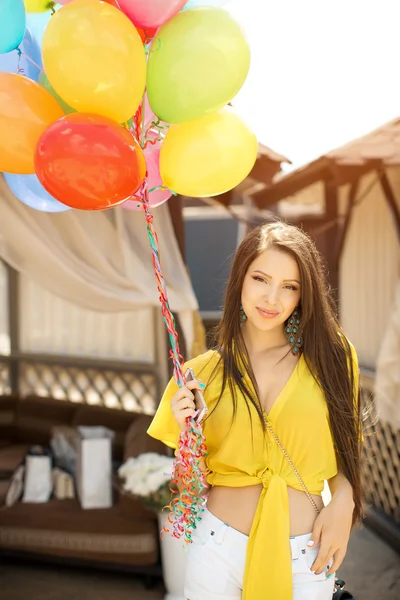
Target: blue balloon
12	24
196	3
30	191
10	62
37	23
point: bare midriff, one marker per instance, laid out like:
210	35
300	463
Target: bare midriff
237	507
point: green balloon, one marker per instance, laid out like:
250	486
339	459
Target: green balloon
198	62
44	82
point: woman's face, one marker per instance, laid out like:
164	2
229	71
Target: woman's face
271	289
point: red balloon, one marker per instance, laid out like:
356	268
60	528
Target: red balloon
89	162
146	35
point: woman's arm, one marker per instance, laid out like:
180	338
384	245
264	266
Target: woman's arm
341	487
333	526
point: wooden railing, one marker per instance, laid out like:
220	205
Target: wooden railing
380	469
127	386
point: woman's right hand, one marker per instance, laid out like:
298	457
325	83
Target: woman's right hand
182	403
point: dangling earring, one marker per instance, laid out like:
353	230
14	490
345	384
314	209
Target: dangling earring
292	329
243	316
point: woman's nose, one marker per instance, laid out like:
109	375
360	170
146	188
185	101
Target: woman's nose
272	296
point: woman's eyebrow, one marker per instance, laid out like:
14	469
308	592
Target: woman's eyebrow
269	276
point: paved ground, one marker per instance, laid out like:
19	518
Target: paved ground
371	569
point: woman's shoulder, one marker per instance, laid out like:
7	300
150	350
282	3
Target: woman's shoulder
205	362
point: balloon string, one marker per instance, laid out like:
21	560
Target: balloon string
155	129
166	312
142	131
163	188
20	70
136	119
189	479
153	142
20	53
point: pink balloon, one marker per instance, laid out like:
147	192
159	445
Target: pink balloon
64	2
149	116
148	14
157	197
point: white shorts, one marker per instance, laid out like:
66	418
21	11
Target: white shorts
216	563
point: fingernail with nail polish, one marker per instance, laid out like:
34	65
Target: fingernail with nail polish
329	576
203	386
310	544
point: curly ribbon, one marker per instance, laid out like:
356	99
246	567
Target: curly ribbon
188	483
20	70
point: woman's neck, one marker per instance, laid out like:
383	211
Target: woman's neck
259	342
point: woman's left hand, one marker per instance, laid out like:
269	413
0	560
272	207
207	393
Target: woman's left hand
331	533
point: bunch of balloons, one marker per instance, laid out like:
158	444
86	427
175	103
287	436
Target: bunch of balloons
122	95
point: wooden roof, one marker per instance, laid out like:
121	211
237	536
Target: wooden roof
376	149
267	165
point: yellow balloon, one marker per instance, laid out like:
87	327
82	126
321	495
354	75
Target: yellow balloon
94	59
37	6
208	156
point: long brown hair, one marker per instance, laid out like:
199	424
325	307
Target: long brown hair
326	350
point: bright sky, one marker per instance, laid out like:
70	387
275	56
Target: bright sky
323	72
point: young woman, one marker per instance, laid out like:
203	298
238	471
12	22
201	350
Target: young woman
282	392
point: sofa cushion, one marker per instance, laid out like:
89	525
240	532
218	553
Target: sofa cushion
16	488
62	528
8	417
37	416
133	508
115	419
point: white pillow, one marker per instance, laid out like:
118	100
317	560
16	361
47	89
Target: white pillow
16	488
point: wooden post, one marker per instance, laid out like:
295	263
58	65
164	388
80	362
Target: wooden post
175	206
391	201
351	200
13	325
331	216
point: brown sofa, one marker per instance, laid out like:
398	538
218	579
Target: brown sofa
124	536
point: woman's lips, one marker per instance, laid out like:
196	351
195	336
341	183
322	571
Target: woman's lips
267	314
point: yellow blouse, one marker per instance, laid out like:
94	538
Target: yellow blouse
237	458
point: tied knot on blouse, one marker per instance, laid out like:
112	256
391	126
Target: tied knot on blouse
265	476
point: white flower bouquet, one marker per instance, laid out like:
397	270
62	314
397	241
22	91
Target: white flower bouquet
148	477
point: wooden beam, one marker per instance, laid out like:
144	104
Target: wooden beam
224	199
323	169
292	183
343	174
351	199
264	170
391	200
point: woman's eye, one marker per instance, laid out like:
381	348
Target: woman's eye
291	287
256	278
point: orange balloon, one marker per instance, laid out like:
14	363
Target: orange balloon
26	111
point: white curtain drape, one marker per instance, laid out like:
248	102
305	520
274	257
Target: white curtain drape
387	382
50	325
98	261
